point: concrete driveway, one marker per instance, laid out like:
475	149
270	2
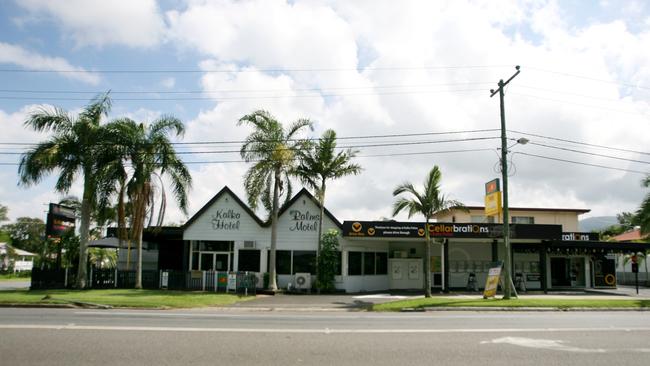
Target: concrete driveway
14	285
342	302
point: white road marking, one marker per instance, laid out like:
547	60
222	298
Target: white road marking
313	331
383	296
550	344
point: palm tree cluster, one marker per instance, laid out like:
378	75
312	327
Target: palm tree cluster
118	160
278	154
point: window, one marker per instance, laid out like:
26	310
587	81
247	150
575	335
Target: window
195	261
249	260
354	263
381	263
367	263
282	262
523	220
304	261
214	246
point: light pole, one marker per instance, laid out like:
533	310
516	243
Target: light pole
504	176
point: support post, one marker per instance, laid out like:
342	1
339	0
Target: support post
504	175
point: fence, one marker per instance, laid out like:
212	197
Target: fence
244	283
627	278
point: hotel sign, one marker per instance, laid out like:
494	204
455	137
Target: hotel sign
394	229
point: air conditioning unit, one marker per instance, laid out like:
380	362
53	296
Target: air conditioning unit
302	281
259	279
249	244
400	254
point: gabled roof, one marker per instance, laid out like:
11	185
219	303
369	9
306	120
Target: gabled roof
3	250
224	190
314	200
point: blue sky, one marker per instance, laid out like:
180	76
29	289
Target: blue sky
361	68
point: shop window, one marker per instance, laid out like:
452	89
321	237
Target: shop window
195	261
381	265
282	262
249	260
523	220
304	261
355	260
215	246
339	265
369	263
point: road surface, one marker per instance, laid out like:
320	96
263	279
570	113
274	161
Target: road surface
232	337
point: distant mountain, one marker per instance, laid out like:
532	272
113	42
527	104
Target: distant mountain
597	223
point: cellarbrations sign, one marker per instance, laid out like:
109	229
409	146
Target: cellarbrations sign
394	229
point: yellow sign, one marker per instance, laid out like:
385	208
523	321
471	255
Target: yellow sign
492	282
493	204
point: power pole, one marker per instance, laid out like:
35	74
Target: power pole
504	175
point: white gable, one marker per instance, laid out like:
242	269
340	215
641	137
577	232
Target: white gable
226	220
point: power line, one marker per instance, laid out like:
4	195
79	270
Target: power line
338	147
416	134
217	99
397	86
247	70
578	104
588	153
581	163
562	73
580	142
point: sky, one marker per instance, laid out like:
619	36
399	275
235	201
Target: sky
406	83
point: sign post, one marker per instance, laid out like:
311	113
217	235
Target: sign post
492	280
635	270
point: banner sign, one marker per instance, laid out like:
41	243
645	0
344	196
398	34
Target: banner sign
395	229
492	280
580	237
59	220
493	204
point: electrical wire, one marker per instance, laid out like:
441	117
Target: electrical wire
588	153
579	142
582	163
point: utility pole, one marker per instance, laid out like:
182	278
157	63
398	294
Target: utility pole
504	175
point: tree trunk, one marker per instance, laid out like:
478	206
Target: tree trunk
427	262
84	230
320	234
273	285
138	266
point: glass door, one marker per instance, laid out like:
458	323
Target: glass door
221	262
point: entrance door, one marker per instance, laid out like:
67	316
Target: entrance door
211	261
221	262
560	275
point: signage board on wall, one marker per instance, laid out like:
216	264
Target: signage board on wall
572	236
394	229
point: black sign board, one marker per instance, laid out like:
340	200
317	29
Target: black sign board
572	236
59	220
394	229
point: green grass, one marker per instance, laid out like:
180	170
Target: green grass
12	277
123	298
513	303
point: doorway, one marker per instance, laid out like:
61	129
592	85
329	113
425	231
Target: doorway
568	272
214	261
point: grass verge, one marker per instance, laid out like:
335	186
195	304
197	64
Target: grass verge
14	278
130	298
513	303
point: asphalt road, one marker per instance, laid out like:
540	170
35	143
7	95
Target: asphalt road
82	337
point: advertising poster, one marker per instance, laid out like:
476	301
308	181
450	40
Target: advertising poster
492	281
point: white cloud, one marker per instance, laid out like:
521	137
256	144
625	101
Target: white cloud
12	54
98	23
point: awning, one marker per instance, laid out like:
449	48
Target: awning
105	243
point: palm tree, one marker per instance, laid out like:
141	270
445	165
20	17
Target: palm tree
273	151
642	217
150	153
72	150
426	203
320	163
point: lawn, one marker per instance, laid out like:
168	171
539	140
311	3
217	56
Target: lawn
123	298
12	277
513	303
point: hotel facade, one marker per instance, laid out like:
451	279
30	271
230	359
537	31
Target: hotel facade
548	251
